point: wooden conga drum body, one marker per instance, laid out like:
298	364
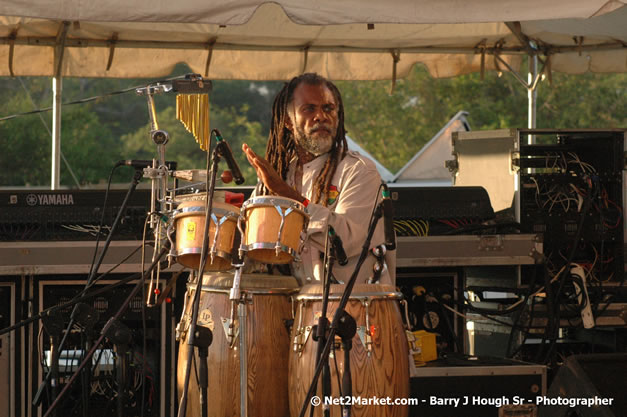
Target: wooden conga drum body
272	228
267	347
190	224
379	358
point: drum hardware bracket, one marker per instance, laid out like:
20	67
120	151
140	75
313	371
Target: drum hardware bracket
230	325
181	329
242	247
172	254
364	331
283	215
218	223
366	338
406	308
231	330
301	339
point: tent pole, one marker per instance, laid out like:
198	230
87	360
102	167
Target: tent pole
57	91
532	94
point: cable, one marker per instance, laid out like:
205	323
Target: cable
104	209
554	308
144	349
89	99
448	324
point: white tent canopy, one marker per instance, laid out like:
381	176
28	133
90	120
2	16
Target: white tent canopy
428	166
351	39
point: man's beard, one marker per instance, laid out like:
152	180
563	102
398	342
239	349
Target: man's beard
315	146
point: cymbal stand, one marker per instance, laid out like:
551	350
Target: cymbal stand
158	174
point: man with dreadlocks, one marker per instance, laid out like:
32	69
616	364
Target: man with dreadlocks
307	160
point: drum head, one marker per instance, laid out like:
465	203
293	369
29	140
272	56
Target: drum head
271	201
183	208
359	290
251	281
218	196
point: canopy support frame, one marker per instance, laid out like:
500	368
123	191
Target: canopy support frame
57	90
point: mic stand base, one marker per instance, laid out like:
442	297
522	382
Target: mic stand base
202	340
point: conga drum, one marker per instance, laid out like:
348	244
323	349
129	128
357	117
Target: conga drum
268	308
189	220
378	358
273	227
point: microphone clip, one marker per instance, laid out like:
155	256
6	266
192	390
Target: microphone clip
337	247
224	150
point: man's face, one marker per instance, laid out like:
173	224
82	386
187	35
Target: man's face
313	118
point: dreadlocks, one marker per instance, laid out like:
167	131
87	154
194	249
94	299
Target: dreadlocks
281	146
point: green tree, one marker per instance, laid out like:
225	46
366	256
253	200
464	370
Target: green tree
86	144
583	101
394	127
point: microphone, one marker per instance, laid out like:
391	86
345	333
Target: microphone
224	150
144	163
336	243
388	219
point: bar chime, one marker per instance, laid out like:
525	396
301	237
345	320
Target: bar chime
193	111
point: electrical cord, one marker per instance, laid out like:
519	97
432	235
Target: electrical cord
531	294
102	217
90	99
554	307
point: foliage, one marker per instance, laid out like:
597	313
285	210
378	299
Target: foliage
390	127
86	144
394	127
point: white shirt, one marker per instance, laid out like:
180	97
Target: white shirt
357	182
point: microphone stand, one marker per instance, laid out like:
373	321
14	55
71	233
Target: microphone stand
104	332
346	330
136	178
339	313
320	330
193	329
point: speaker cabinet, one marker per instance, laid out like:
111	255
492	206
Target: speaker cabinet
590	376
